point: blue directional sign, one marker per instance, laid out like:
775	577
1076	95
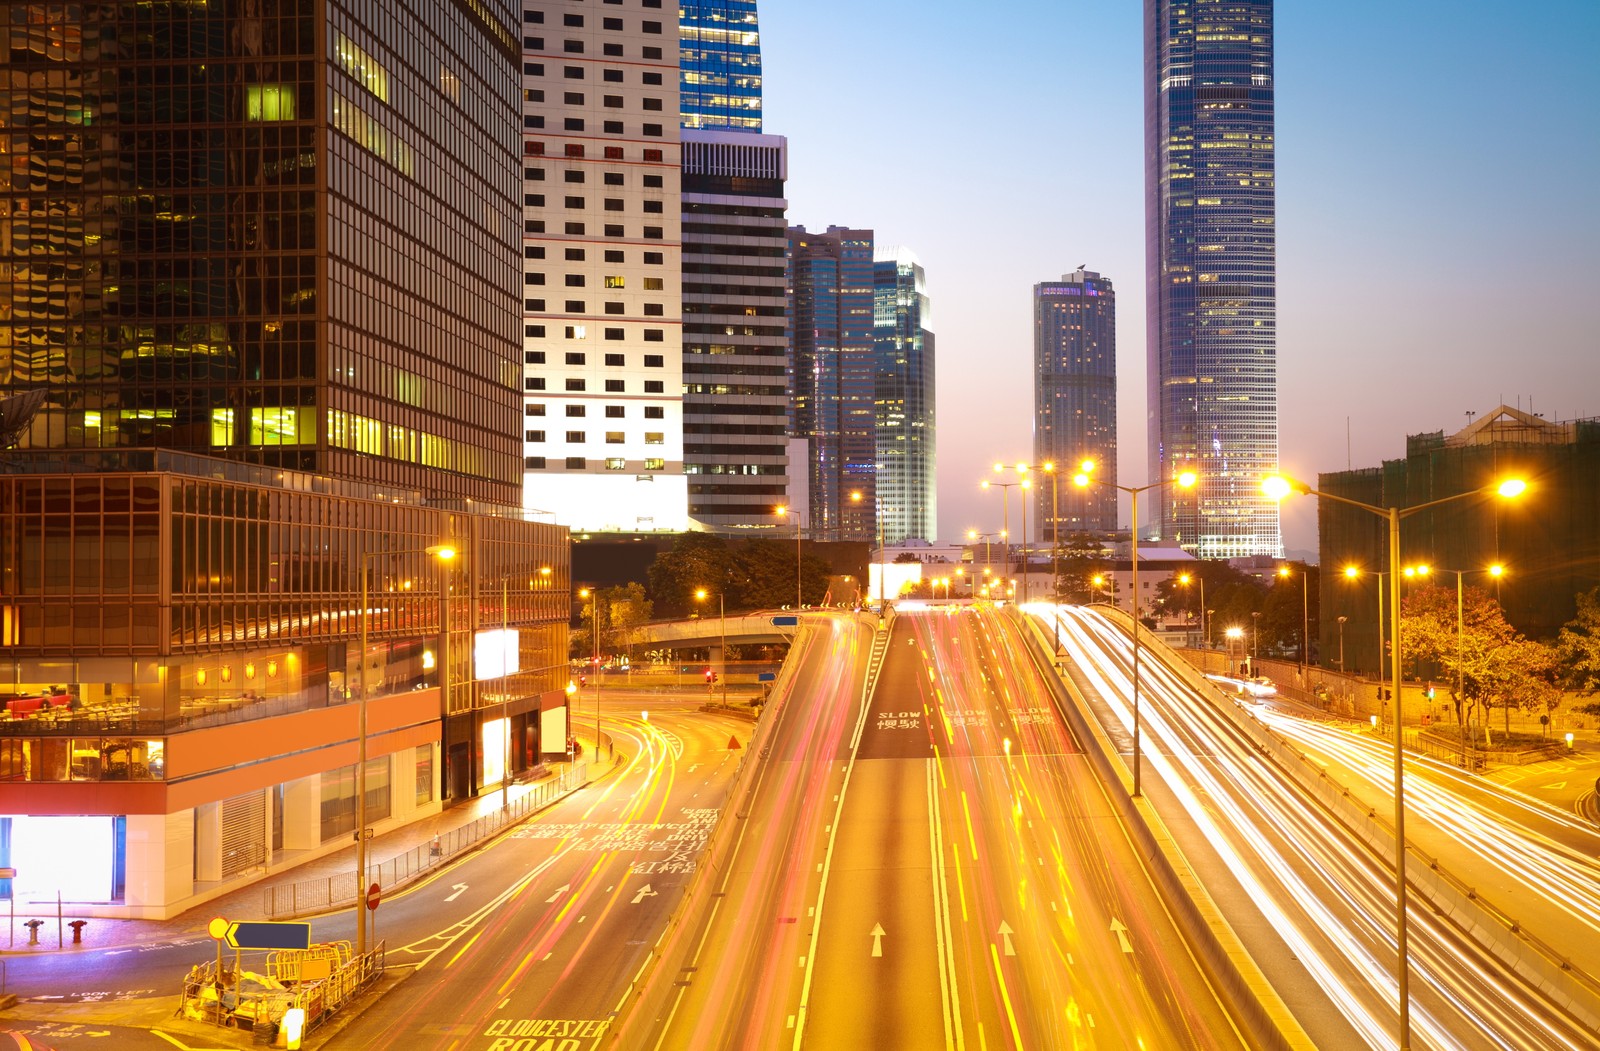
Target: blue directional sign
766	676
265	935
785	622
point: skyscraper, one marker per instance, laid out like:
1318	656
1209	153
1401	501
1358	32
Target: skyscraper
904	432
1075	400
721	64
603	361
832	377
1211	302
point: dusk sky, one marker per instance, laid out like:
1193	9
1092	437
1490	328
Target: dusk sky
1438	220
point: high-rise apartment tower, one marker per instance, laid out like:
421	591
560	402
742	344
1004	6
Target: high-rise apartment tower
1075	401
1211	298
721	64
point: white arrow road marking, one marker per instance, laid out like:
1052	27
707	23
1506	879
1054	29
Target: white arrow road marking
644	892
1005	933
877	939
458	888
1121	932
552	899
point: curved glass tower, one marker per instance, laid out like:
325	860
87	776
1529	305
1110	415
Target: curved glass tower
720	57
1211	272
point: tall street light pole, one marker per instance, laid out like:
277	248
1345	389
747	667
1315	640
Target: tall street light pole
1305	618
1341	644
1354	573
444	553
1005	518
1278	487
1497	571
1186	579
1185	480
781	511
593	595
1022	470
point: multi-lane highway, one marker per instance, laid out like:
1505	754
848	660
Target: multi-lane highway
935	866
1313	904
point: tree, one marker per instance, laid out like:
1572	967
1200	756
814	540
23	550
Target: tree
627	610
1081	559
1578	648
697	560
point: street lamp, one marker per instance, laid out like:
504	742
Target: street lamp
1305	618
1049	468
1353	573
1497	571
1278	487
1185	480
593	595
444	553
1255	639
883	554
1005	517
1341	644
780	512
1186	579
700	595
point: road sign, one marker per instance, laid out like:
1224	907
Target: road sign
374	892
766	676
785	622
733	743
268	935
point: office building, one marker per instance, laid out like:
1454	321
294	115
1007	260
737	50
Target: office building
735	340
833	375
261	272
602	339
720	59
904	424
1546	539
1074	402
1211	299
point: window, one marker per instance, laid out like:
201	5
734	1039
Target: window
649	155
613	437
572	149
614	255
653	258
611	50
573	98
572	47
533	330
613	333
577	437
653	79
612	127
576	357
536	17
652	182
652	27
533	121
533	279
533	200
533	226
535	408
616	412
654	310
654	387
614	204
613	179
576	124
577	410
574	254
613	153
613	229
533	43
655	412
533	463
533	436
577	306
615	281
614	308
654	284
655	438
533	357
573	202
649	129
533	69
654	463
615	386
654	361
533	383
654	335
572	175
611	101
577	463
615	463
577	331
652	233
572	20
573	228
611	23
575	385
533	95
572	72
533	252
650	103
536	174
575	280
653	206
611	76
652	52
534	305
533	149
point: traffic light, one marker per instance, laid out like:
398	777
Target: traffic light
711	676
1430	691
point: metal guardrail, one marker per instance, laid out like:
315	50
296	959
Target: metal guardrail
288	900
211	994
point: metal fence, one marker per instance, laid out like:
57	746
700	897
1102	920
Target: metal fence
287	900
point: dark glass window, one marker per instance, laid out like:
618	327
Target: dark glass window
615	386
654	361
654	386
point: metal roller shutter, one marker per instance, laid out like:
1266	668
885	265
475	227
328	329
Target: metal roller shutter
244	833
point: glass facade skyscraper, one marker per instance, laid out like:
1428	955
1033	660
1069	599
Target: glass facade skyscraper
1211	301
904	426
1075	401
720	63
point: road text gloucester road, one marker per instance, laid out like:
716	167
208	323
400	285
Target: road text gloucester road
546	1034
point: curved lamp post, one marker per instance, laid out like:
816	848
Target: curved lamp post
1185	480
1005	515
1277	487
780	512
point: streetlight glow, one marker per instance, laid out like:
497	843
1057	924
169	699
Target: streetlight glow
1511	488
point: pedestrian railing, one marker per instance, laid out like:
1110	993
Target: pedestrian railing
287	900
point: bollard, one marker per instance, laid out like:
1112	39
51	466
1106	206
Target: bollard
77	930
33	931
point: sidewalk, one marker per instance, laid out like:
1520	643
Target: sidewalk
247	902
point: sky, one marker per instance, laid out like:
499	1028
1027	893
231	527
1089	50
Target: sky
1438	207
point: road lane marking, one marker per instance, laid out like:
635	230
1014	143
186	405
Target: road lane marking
1005	995
644	892
552	899
944	944
516	974
1121	931
459	888
1005	933
463	949
877	939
